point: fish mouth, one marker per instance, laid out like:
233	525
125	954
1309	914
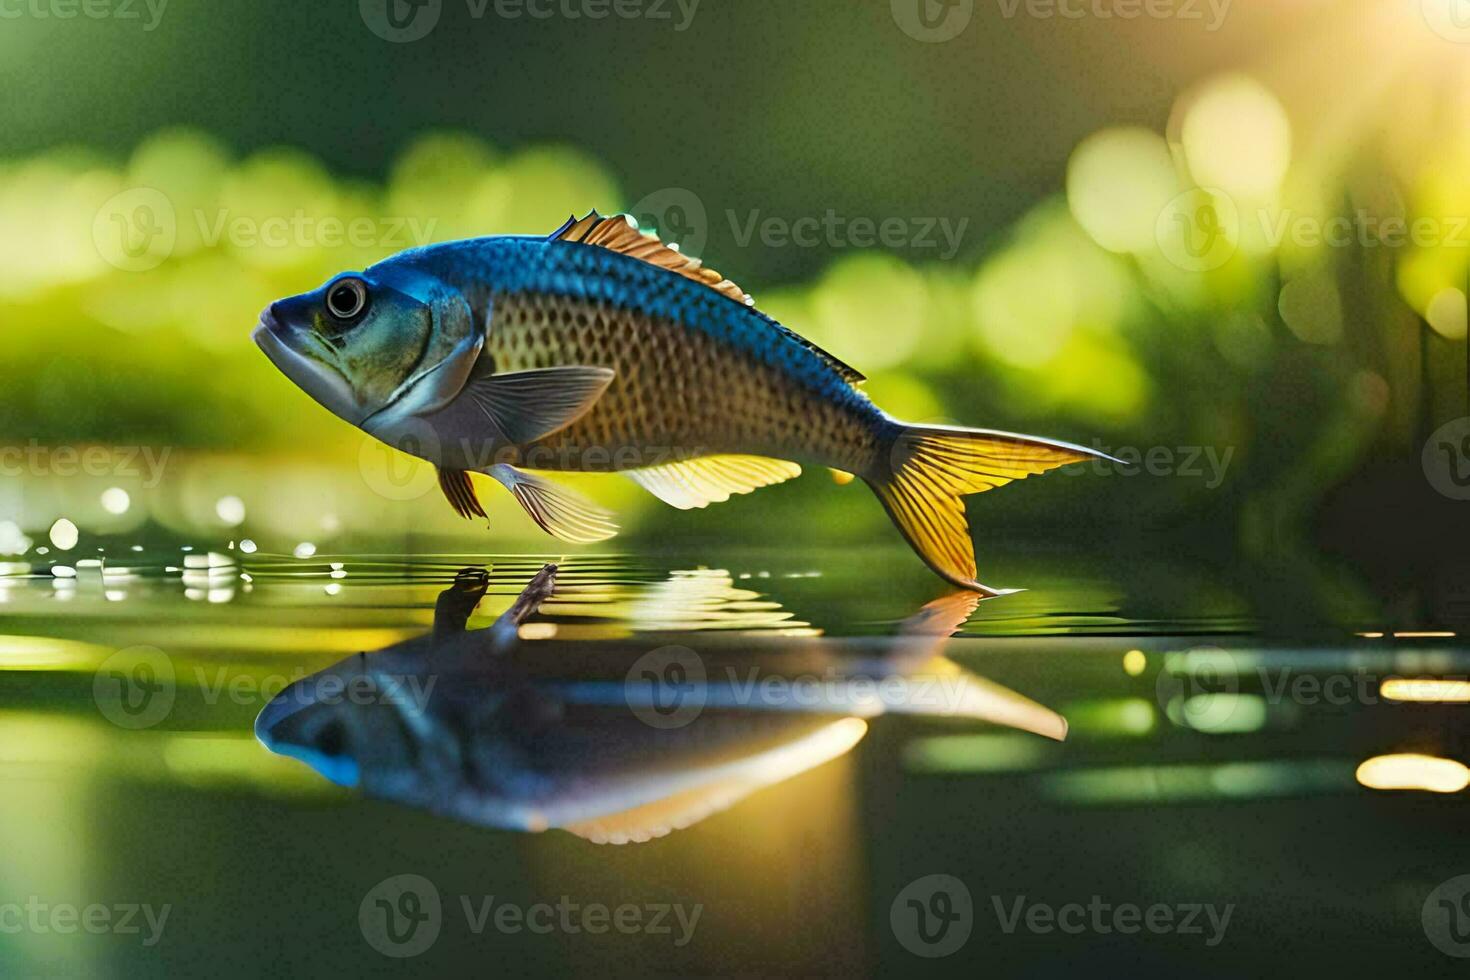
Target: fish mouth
324	382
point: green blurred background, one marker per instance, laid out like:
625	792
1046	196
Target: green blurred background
1192	235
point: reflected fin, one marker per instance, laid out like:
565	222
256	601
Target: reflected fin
729	785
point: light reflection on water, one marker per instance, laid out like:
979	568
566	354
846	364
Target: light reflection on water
1194	751
602	596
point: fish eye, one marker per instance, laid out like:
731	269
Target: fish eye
347	299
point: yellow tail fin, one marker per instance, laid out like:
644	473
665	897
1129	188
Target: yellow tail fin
932	467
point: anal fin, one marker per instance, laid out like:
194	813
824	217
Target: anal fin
706	480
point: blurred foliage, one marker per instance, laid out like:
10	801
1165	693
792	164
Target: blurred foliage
1158	304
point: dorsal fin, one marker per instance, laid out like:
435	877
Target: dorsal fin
620	234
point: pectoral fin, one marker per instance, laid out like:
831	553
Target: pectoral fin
560	512
528	405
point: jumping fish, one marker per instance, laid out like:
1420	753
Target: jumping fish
599	348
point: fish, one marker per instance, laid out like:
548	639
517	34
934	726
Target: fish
530	735
599	348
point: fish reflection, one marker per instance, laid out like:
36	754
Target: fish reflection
612	741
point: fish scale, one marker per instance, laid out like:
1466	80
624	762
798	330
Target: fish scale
677	391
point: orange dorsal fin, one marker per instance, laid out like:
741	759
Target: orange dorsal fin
620	234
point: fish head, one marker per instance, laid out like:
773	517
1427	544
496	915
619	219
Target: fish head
391	340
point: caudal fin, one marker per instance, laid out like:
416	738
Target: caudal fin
931	467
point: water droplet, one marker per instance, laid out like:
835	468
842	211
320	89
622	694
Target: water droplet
115	500
64	534
231	510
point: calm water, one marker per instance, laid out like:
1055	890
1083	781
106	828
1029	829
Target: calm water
1221	803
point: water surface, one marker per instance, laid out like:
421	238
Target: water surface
1213	760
